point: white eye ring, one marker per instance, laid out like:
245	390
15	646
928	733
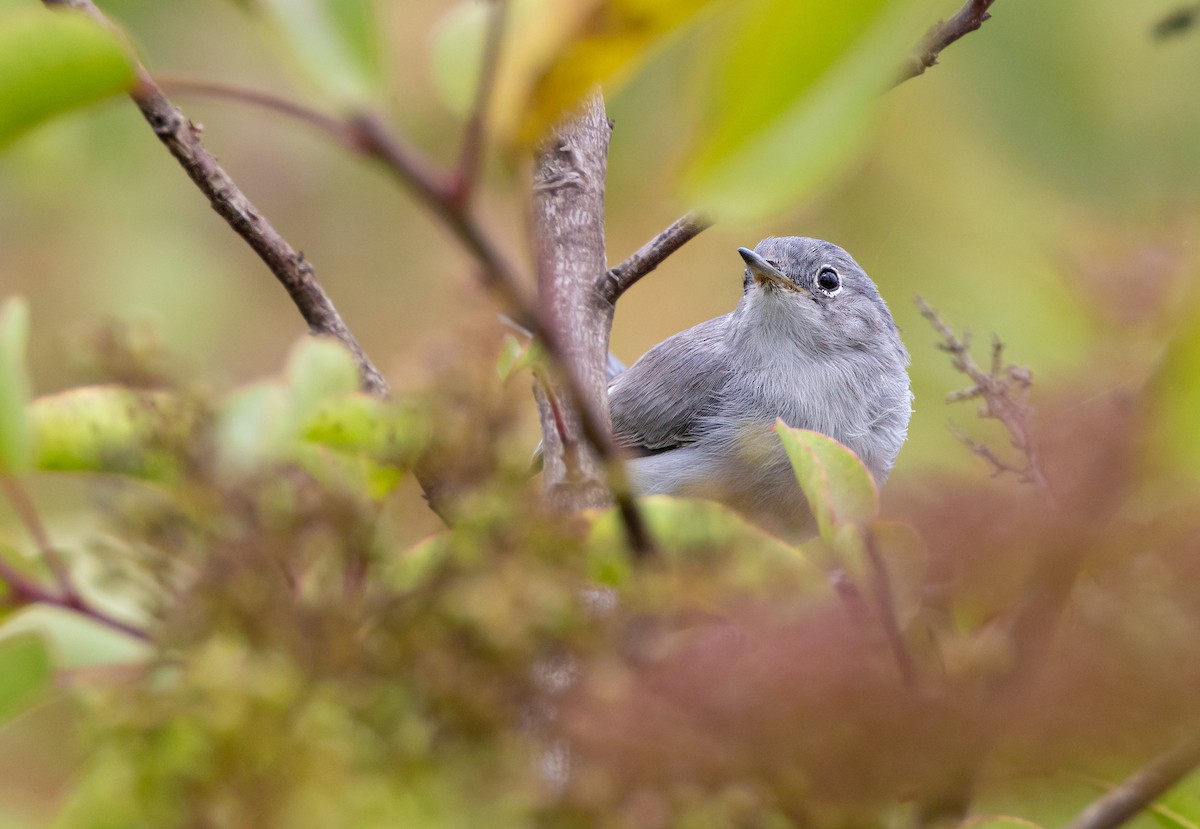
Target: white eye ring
829	282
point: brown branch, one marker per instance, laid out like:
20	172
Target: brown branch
1141	788
970	17
27	512
438	190
1004	392
887	614
620	279
335	128
182	138
574	319
24	591
471	153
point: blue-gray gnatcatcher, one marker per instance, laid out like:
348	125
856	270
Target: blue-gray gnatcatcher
811	342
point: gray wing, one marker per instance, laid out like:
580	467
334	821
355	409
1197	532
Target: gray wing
656	403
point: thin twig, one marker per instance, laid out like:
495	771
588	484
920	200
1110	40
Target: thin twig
27	512
887	614
335	128
620	279
1141	788
1004	392
970	17
182	139
24	591
471	153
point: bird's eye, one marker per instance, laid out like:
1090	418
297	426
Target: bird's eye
829	281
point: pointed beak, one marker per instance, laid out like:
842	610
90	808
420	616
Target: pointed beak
764	272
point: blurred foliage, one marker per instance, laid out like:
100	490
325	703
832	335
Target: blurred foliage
323	653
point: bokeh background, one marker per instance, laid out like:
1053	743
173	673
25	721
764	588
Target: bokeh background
1039	183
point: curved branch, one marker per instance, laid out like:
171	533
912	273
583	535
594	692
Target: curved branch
969	18
182	138
1141	788
649	256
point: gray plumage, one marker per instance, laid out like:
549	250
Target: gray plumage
811	342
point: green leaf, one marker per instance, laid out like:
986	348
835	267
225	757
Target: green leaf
1174	395
55	63
25	670
253	427
356	423
515	356
794	89
318	369
16	450
113	429
839	489
335	42
510	354
697	531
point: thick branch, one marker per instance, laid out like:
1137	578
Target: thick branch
568	226
1141	788
620	279
182	139
970	17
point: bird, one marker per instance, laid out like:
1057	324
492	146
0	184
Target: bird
811	343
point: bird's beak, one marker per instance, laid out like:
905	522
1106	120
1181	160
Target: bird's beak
764	272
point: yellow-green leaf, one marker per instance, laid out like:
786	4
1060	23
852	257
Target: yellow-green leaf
15	445
55	63
25	671
113	429
335	43
840	491
386	432
795	85
612	41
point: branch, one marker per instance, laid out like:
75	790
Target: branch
1141	788
969	18
335	128
576	320
182	139
887	614
620	279
473	136
25	591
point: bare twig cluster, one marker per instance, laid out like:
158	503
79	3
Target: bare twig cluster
1003	391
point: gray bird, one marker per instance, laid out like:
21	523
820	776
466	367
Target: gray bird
811	342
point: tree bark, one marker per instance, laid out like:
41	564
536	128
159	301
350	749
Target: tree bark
568	226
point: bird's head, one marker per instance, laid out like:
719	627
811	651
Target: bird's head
813	291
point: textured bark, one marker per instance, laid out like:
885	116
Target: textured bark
568	225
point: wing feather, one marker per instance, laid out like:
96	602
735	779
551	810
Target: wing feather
657	402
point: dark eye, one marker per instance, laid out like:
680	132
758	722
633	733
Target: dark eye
829	281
